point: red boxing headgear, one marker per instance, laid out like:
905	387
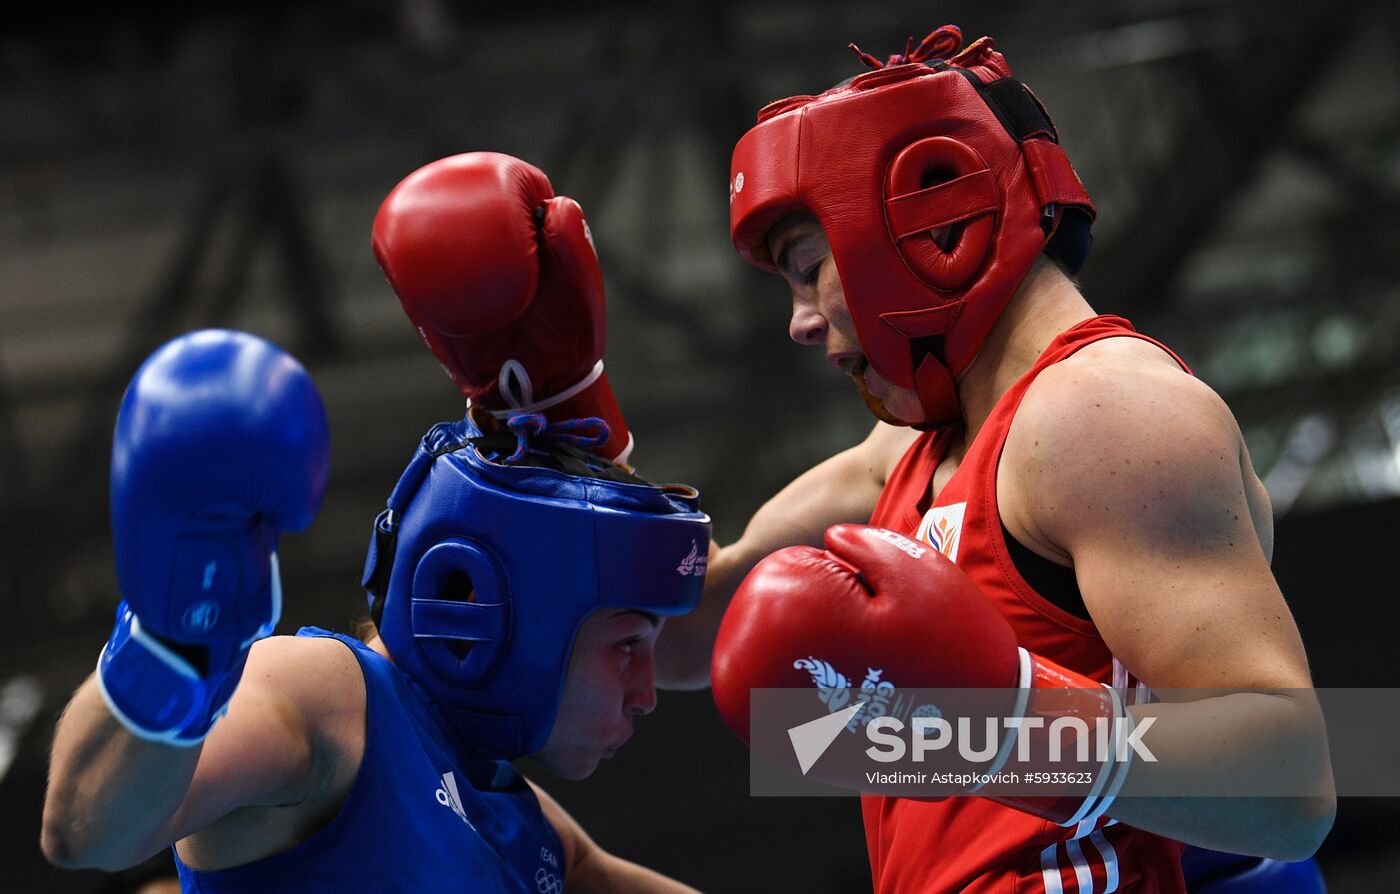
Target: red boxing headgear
929	140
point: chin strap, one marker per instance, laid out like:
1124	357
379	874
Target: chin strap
938	395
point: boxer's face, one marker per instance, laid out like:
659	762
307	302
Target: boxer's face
611	680
820	316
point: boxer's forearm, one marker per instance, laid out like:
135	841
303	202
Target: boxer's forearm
109	792
1233	743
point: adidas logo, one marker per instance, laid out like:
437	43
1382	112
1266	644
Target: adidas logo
449	796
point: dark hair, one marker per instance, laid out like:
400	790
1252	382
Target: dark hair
549	451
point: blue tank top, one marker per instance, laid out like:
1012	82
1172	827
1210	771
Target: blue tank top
422	815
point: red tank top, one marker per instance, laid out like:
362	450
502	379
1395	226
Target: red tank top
972	844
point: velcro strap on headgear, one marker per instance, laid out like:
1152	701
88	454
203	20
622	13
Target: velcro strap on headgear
457	620
1055	181
1054	178
1017	109
947	203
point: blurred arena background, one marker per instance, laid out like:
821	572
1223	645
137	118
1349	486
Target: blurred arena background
168	168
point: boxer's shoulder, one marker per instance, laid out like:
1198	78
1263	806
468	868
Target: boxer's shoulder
315	685
1117	431
1108	368
303	660
1121	395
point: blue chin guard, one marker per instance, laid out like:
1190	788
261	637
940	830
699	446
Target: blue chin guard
480	573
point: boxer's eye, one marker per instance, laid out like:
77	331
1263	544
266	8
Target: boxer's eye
807	257
802	257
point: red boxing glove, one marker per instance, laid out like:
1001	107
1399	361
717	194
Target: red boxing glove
501	279
876	599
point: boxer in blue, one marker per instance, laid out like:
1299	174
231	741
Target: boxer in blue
518	585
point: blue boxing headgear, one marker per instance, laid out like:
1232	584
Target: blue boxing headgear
542	549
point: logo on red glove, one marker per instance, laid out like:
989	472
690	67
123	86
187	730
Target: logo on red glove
873	700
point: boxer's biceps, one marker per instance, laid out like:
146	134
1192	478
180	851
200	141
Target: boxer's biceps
840	490
1181	590
843	489
1151	507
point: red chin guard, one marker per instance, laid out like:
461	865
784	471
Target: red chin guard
887	161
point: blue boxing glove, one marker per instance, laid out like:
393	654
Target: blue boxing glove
221	444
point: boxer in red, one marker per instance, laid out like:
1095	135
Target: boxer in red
1098	496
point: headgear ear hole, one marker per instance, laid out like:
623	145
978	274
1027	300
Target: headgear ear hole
946	238
470	645
934	184
937	175
930	162
457	586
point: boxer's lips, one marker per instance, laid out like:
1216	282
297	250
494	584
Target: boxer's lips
854	365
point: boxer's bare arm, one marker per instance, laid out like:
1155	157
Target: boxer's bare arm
844	488
114	799
592	870
1138	474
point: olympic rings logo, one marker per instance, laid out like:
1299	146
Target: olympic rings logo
547	882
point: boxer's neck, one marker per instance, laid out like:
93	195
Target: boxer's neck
1045	305
376	645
